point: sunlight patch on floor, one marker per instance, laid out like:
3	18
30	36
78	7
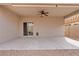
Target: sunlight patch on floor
72	41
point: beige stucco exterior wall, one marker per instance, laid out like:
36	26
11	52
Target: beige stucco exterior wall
46	26
8	24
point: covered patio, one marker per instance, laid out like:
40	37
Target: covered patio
39	27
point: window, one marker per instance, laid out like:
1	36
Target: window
28	28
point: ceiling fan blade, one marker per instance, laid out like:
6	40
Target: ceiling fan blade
46	14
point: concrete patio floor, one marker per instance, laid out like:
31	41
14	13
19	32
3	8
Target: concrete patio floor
39	44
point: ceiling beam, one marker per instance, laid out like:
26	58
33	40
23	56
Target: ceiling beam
34	5
72	14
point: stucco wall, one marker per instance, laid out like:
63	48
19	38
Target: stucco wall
8	24
46	26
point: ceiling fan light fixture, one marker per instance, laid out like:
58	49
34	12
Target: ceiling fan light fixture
43	13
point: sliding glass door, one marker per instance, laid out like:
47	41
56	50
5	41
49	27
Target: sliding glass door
28	28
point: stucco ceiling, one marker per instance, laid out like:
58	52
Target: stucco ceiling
33	11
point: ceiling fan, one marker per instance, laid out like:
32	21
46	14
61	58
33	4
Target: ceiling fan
43	13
